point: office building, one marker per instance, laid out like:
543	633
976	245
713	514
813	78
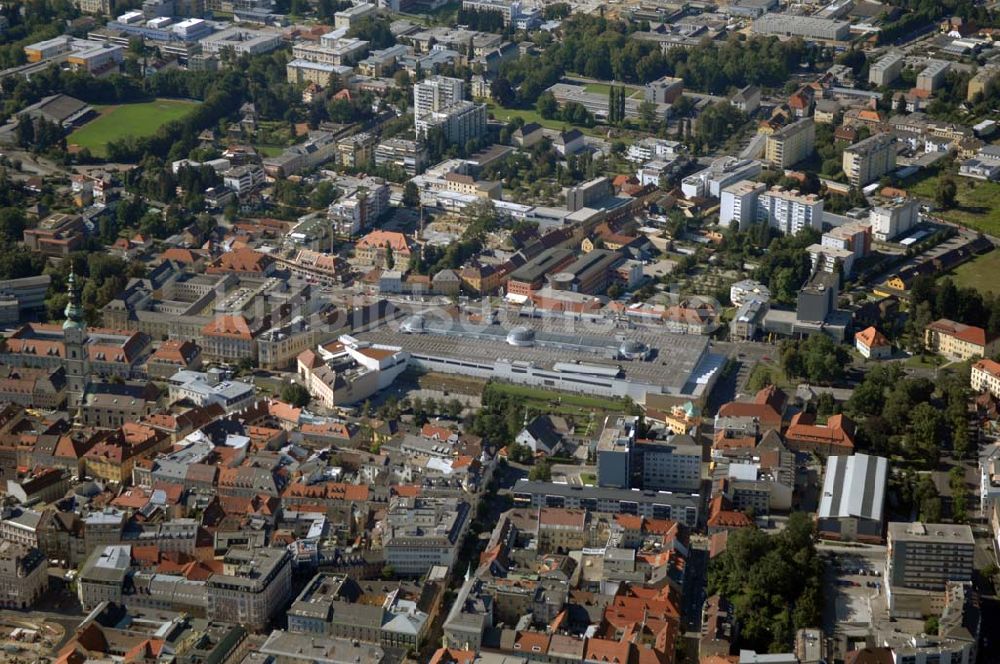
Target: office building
102	576
253	587
347	18
885	70
422	533
807	27
789	211
959	342
738	203
680	507
724	171
922	559
671	465
791	144
665	90
868	160
510	10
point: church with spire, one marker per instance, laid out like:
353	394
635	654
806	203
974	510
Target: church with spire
89	356
74	340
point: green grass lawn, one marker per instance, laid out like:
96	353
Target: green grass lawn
978	201
531	115
980	273
137	120
269	150
924	361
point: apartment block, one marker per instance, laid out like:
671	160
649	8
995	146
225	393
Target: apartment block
893	218
885	70
791	144
460	122
789	211
932	76
738	203
870	159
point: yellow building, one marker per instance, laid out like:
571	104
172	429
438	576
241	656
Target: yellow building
978	83
958	341
791	144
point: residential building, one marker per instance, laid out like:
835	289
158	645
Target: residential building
407	155
892	218
852	501
791	144
738	204
789	211
380	248
460	122
253	587
746	100
868	160
986	377
958	341
24	576
978	83
873	345
664	90
347	18
884	71
932	76
836	436
510	10
748	289
436	94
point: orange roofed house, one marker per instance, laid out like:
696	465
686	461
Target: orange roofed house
750	419
957	341
872	344
245	262
834	437
228	339
374	248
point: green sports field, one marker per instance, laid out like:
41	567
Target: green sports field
138	120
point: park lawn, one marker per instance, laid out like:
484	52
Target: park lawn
269	150
604	88
118	121
504	114
979	273
977	202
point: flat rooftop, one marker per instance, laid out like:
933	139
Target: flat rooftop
672	362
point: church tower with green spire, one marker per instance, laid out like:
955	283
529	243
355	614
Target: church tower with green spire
74	338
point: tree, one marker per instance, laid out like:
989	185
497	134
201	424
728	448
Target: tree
296	395
25	131
541	471
502	92
946	194
390	260
547	106
411	195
